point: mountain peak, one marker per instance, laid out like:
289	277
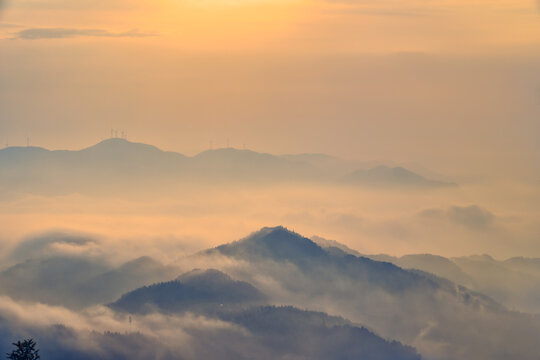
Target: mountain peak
204	276
195	290
278	243
119	144
268	230
233	155
396	171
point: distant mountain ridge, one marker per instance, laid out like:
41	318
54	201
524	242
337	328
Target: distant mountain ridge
257	286
286	331
77	281
391	176
277	243
195	290
283	245
514	282
117	164
414	307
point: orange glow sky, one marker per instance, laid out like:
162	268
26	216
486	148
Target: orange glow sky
452	86
371	80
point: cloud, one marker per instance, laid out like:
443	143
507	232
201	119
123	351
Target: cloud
101	334
63	33
323	285
7	25
98	333
53	243
73	5
427	316
379	12
472	217
75	271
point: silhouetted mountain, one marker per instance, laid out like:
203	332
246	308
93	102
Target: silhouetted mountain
526	265
412	306
440	318
311	158
434	264
391	176
53	280
126	156
62	342
117	165
77	282
244	165
315	335
281	245
108	166
514	282
334	166
333	246
275	243
16	155
265	333
131	275
197	290
44	245
277	331
123	148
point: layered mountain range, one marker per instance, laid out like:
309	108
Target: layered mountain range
291	297
119	165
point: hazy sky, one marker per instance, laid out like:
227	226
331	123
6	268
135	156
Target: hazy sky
454	85
447	88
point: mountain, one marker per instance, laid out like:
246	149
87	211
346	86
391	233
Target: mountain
126	156
277	332
294	333
526	265
255	311
245	165
514	282
434	264
391	176
330	164
334	246
112	165
135	273
77	282
276	243
440	318
281	245
54	280
118	166
264	333
195	290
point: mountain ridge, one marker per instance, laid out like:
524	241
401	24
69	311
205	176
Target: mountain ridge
412	306
513	282
393	176
114	161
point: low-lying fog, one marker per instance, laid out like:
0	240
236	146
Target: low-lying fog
500	219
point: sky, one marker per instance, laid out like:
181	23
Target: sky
453	85
446	88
